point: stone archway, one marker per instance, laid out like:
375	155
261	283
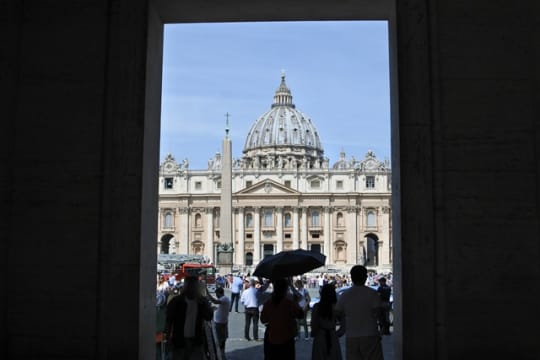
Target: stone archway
165	243
372	250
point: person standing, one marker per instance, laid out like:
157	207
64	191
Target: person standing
360	307
323	326
384	292
236	288
304	305
184	321
251	304
279	314
161	310
221	317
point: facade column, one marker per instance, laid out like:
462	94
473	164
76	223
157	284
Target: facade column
304	231
384	236
352	236
183	239
209	246
257	236
362	246
279	229
239	249
295	235
327	237
160	215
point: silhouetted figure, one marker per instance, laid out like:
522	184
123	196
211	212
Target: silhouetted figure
323	326
360	306
161	311
384	292
280	314
184	324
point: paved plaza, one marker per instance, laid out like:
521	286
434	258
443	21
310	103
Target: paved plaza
240	349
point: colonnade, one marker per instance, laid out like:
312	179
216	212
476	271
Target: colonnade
290	228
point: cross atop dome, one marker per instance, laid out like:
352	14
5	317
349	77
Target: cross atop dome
283	95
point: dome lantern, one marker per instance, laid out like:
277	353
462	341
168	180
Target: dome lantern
283	96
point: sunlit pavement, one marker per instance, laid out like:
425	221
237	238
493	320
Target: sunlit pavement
238	348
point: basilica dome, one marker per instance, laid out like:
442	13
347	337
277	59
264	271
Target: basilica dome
283	131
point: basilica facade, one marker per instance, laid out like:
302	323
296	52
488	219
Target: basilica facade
285	194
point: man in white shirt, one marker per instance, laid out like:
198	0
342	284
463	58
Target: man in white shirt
250	301
360	306
221	317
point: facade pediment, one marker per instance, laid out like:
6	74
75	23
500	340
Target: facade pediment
267	187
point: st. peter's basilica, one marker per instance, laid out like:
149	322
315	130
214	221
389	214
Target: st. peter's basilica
284	194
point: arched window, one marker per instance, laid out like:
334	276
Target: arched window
249	220
197	247
198	220
315	217
249	259
168	223
371	219
340	221
288	220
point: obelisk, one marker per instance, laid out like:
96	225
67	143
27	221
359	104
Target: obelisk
226	219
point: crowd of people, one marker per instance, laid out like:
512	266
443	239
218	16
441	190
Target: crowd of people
360	314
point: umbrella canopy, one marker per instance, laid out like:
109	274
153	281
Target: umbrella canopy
289	263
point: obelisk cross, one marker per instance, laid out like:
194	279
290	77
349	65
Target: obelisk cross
227	115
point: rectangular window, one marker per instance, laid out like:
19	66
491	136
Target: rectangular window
249	236
316	247
268	218
169	181
268	250
288	183
249	220
287	236
288	221
370	182
315	236
339	184
315	184
315	218
218	184
198	185
249	183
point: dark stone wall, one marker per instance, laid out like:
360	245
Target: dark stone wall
80	101
469	126
75	179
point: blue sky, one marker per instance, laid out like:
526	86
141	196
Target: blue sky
338	74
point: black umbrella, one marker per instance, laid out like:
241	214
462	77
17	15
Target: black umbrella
289	263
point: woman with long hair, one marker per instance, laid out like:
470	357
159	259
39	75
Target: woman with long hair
279	314
323	326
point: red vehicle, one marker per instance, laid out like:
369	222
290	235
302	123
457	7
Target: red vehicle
188	265
205	272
